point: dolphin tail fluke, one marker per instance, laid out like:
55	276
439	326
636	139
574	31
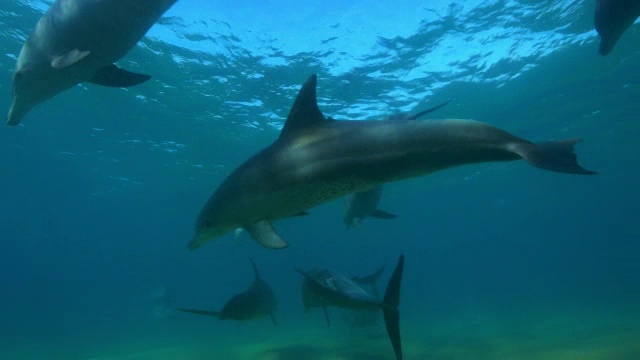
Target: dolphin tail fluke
113	76
556	156
380	214
390	308
201	312
265	235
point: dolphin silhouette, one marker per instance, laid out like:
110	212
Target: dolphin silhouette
77	41
612	18
316	159
323	288
255	302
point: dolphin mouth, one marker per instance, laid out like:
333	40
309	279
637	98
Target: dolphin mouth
14	117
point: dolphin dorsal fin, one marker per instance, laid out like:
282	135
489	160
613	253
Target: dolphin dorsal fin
255	269
304	112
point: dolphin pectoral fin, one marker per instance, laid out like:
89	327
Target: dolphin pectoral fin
201	312
113	76
265	235
556	156
430	110
379	214
273	319
69	58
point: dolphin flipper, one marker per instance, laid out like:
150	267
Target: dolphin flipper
552	155
113	76
69	58
265	235
429	110
380	214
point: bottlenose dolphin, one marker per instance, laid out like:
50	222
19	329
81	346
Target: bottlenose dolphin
77	41
316	159
612	18
362	318
362	204
255	302
323	288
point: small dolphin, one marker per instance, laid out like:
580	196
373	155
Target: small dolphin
612	18
324	288
362	204
316	159
77	41
255	302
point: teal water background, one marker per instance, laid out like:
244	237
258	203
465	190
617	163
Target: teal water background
99	188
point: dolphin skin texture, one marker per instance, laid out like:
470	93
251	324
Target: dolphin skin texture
360	205
318	159
77	41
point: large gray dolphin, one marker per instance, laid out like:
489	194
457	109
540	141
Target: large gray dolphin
360	205
255	302
612	18
77	41
323	288
316	159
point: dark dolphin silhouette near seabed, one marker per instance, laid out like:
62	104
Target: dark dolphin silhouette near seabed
77	41
364	204
324	288
255	302
612	18
316	159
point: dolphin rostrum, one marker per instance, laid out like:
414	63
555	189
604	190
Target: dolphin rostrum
324	288
360	205
77	41
255	302
612	18
317	159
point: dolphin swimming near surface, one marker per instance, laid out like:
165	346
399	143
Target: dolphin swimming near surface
77	41
317	159
255	302
612	18
364	204
324	288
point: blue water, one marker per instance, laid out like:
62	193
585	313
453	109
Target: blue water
100	187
